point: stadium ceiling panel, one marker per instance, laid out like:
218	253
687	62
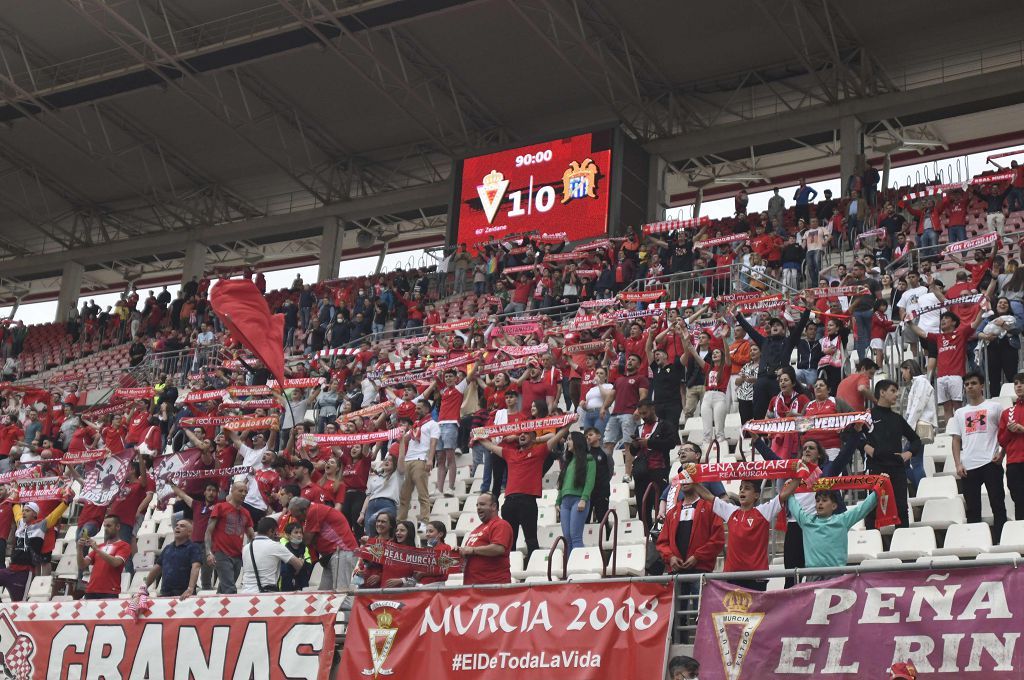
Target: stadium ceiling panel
134	125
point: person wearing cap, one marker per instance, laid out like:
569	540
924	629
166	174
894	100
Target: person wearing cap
683	668
29	535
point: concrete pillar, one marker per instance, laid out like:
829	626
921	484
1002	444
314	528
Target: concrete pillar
698	201
195	261
851	148
70	287
656	198
331	246
886	168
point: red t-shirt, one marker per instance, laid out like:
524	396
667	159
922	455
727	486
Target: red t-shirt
331	528
849	390
521	292
8	435
451	403
525	469
106	579
128	500
479	569
717	379
314	494
536	391
80	438
138	425
113	438
200	520
952	350
355	473
627	392
232	524
748	535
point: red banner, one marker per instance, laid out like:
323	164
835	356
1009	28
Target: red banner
641	295
350	439
274	635
252	423
582	631
550	422
425	560
982	241
204	421
134	393
199	396
82	457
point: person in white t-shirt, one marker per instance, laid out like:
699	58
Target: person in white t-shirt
977	454
420	444
257	457
269	555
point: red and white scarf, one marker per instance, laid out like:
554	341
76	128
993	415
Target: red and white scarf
675	225
982	241
833	422
550	422
682	304
261	423
712	242
349	439
641	295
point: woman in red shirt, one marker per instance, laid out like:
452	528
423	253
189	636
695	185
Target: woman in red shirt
435	535
789	402
369	570
713	405
399	576
333	483
823	404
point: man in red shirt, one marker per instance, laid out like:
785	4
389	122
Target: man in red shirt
627	391
534	387
229	522
525	462
108	560
138	424
487	547
130	505
10	433
952	344
448	422
304	478
328	532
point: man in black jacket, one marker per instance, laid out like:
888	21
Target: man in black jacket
775	352
885	448
649	458
667	379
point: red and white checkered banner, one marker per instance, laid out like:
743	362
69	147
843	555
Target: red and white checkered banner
641	295
983	241
253	404
273	635
721	240
971	299
337	352
600	302
524	350
83	457
584	347
350	439
833	292
519	268
368	412
41	489
451	326
682	304
507	365
243	424
931	191
128	393
762	303
675	225
835	422
205	421
548	423
199	396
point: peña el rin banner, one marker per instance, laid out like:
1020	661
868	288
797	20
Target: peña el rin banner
955	623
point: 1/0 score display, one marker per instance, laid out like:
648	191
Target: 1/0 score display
534	158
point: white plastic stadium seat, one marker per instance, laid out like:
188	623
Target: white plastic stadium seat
940	513
515	562
863	545
934	487
467	522
882	562
585	561
538	565
966	540
909	543
630	560
1012	538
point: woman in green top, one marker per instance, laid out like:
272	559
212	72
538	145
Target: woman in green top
575	484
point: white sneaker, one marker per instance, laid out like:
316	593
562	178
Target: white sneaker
422	528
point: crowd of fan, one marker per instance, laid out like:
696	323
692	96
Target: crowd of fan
631	378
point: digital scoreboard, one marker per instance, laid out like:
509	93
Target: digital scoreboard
558	189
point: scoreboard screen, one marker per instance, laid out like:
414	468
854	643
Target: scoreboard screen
556	189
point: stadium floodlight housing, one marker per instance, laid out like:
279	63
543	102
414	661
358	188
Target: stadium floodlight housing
730	179
918	142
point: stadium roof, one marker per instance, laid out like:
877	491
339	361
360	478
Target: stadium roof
134	127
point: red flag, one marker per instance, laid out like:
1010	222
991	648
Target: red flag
243	310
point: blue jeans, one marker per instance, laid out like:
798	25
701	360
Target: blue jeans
915	469
957	233
592	418
573	521
813	267
807	376
374	508
929	239
863	340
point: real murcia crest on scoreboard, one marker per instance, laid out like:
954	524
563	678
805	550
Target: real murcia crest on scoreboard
579	181
492	192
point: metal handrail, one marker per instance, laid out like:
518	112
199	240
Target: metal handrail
611	514
643	504
565	557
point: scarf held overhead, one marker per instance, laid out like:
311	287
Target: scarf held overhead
551	422
836	422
